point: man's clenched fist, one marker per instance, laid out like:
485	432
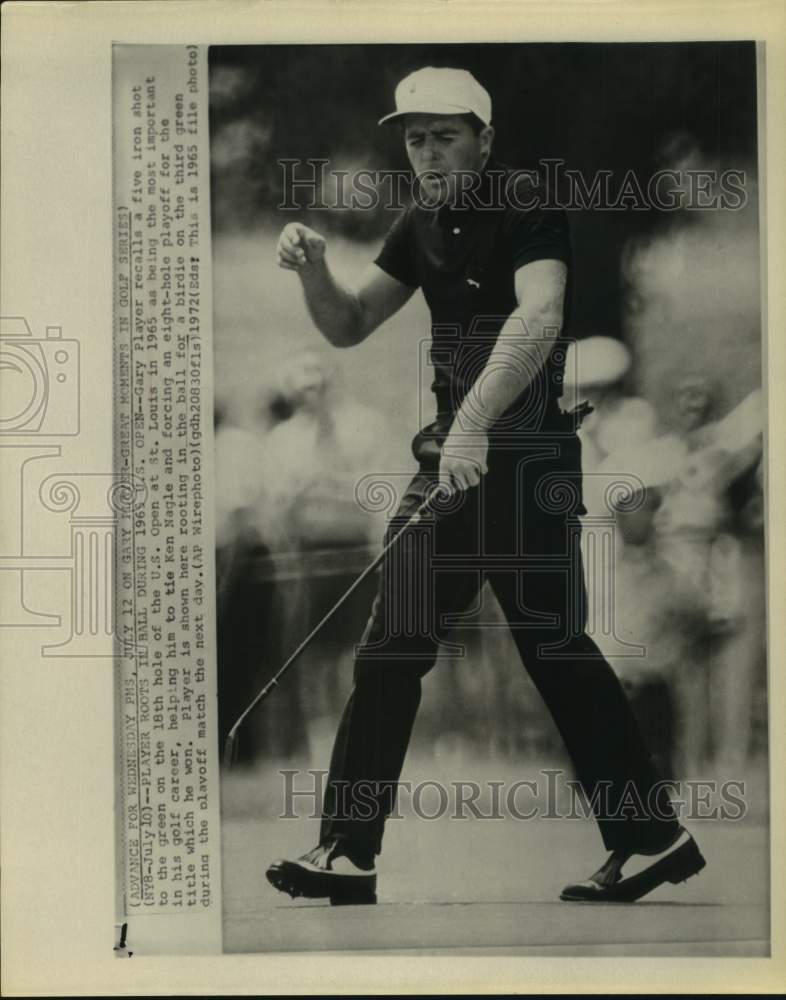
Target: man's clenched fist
299	247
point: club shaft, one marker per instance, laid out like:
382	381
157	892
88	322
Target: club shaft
273	682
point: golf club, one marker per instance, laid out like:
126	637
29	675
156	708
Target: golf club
230	745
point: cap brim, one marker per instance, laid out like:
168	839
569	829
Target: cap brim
427	108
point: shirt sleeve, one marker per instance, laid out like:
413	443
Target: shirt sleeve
397	256
538	234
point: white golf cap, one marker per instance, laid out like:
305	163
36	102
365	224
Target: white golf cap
441	92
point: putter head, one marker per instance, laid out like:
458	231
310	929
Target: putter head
230	749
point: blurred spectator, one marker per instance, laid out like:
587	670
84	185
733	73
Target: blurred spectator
240	469
694	476
657	615
284	490
697	535
316	457
595	370
243	611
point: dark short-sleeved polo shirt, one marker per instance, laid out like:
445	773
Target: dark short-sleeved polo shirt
465	259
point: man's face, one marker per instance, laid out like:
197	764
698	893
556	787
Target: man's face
439	146
693	402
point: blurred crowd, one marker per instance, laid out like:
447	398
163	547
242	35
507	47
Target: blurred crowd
674	560
289	531
679	594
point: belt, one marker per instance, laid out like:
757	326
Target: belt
427	443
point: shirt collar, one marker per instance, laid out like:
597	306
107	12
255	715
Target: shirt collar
448	215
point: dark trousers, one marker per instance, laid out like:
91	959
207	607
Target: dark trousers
520	531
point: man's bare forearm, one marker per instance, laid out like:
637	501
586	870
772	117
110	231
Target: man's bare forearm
334	309
517	355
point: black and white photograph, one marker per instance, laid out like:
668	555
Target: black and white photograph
490	479
391	457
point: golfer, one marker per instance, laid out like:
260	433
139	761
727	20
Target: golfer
503	464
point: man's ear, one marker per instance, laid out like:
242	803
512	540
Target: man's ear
486	137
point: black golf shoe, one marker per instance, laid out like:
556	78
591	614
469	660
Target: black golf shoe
645	872
330	871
